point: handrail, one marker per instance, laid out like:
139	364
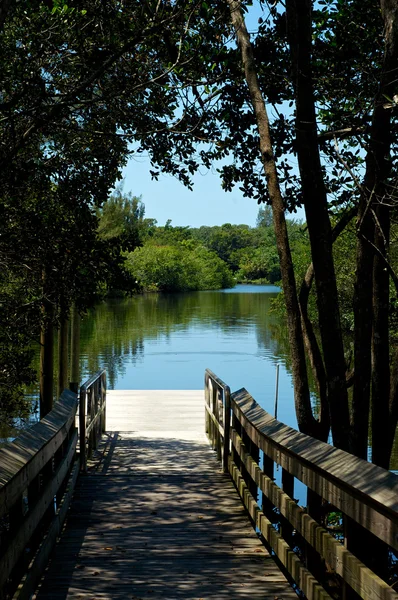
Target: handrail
38	472
343	479
92	415
218	406
366	495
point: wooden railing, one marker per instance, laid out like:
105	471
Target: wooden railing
38	472
217	416
92	415
250	442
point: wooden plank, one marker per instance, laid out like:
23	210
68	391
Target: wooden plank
95	420
304	579
367	585
218	426
156	518
21	538
179	413
227	428
365	492
24	458
30	581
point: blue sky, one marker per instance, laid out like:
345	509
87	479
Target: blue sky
207	204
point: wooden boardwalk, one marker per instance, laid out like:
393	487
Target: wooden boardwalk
155	517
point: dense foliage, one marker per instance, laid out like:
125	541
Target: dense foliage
86	84
183	258
314	109
303	112
179	268
80	83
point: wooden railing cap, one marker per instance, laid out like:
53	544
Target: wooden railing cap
362	477
18	454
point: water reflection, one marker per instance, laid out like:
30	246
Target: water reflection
166	341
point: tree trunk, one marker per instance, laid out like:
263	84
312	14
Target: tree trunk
363	317
305	418
379	165
393	407
314	354
75	351
372	294
310	340
380	342
62	354
46	360
319	228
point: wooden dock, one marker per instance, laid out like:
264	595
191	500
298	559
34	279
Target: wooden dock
155	517
157	514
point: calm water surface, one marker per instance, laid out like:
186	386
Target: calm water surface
166	341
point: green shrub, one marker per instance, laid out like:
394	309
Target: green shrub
180	268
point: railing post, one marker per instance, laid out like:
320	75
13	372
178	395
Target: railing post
288	488
95	402
82	428
358	540
92	436
236	425
227	427
254	452
103	402
217	401
213	391
268	507
213	410
207	402
314	561
75	350
92	415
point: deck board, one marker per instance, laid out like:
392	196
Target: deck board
155	517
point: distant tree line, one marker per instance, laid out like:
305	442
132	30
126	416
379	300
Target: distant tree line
172	259
81	84
302	112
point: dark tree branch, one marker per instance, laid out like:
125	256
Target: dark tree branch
342	133
310	339
305	417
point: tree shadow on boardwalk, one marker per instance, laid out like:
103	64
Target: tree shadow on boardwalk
155	518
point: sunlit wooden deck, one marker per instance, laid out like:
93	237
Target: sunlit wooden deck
155	517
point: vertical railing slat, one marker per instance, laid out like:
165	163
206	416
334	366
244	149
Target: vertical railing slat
92	415
227	428
82	428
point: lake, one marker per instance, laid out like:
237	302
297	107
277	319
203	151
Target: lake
166	341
